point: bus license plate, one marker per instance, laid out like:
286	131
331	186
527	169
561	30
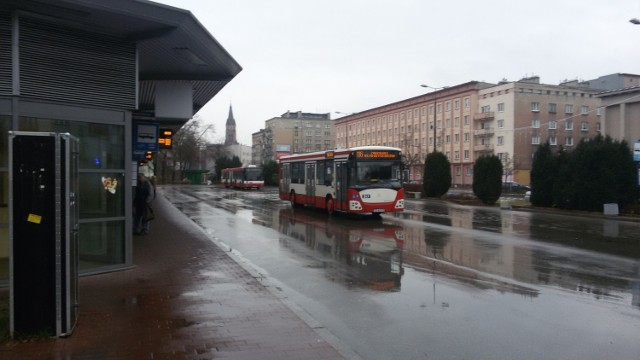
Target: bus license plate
377	211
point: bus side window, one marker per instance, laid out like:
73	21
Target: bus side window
328	174
320	173
297	173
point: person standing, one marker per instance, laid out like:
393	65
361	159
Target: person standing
144	195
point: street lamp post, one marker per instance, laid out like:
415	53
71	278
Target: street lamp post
435	109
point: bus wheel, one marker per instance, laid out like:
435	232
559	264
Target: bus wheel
331	206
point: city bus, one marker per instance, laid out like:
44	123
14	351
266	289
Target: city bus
361	180
245	177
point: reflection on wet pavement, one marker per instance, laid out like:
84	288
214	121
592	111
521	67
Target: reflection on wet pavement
482	247
441	280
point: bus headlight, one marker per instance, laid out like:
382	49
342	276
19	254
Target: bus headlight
355	205
400	204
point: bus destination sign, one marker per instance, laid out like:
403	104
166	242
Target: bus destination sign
376	154
329	155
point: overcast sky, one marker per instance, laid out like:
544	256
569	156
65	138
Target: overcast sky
347	56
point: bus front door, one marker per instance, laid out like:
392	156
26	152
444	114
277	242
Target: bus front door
285	179
310	183
341	185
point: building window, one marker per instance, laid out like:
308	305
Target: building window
500	124
500	140
568	141
535	123
456	104
584	126
456	122
598	127
456	138
466	154
485	109
535	140
447	106
584	110
553	140
535	106
466	103
568	109
466	137
553	124
599	111
466	119
458	171
456	155
552	108
439	108
501	107
447	123
568	125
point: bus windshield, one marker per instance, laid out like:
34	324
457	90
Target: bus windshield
253	174
377	174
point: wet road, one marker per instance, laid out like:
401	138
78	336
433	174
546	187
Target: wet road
441	281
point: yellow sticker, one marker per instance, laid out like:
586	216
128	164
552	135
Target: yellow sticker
34	218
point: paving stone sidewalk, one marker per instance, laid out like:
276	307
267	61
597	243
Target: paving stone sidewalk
186	298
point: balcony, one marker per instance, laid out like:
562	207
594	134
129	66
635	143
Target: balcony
483	148
483	132
489	115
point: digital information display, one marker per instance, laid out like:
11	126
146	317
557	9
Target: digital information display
376	154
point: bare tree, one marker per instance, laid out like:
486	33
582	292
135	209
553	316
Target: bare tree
507	167
412	155
186	154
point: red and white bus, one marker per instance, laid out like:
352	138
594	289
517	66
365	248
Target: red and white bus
246	177
362	180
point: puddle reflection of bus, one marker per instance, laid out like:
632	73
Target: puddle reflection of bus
364	253
246	177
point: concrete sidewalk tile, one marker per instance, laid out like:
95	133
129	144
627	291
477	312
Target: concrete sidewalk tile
186	298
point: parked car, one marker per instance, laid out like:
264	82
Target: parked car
514	187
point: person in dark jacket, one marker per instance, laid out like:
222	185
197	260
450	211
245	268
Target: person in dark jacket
144	195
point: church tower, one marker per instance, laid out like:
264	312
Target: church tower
230	132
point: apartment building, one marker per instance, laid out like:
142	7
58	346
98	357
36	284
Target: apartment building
621	117
466	121
440	120
295	132
258	142
514	118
